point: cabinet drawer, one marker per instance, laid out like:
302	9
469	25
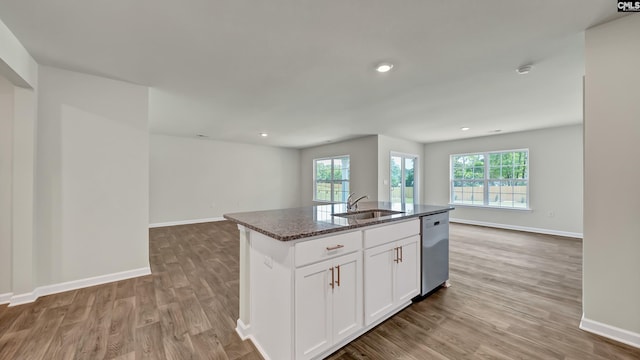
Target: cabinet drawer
391	232
311	251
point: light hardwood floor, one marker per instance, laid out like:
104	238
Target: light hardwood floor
514	296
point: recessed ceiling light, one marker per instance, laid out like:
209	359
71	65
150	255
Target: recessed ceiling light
464	128
264	134
384	67
524	69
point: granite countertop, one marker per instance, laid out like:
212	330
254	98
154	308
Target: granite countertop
302	222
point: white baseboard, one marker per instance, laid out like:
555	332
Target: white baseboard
5	298
242	330
611	332
25	298
518	228
185	222
259	347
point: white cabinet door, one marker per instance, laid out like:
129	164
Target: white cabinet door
391	276
313	309
407	277
347	296
326	313
378	281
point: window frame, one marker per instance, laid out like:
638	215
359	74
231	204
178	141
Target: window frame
416	176
333	181
486	180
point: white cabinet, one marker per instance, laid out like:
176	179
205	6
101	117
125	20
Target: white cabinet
311	296
328	303
391	270
347	296
312	310
407	270
378	282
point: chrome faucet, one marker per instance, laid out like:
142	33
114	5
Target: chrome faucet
353	205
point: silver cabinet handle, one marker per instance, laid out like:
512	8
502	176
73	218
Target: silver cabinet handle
332	279
335	247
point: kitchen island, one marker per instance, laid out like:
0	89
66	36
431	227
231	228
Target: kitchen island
314	278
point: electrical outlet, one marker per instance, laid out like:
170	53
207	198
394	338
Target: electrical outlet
268	260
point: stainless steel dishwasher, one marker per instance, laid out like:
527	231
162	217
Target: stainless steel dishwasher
435	251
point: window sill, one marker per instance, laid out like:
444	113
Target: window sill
527	209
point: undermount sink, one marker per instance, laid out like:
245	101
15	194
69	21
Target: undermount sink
368	214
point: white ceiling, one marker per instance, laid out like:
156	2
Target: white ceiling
303	70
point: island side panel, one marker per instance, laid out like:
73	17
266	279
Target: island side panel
271	296
244	320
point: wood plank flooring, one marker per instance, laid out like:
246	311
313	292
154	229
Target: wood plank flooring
514	296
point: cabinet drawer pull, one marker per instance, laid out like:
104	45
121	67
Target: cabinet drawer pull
396	257
338	281
400	248
332	279
335	247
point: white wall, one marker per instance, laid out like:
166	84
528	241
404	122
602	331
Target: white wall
6	174
23	188
363	166
93	183
193	179
555	183
386	145
21	71
611	272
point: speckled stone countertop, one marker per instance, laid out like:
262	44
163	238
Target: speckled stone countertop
302	222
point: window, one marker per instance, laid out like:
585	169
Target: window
495	179
404	180
331	179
